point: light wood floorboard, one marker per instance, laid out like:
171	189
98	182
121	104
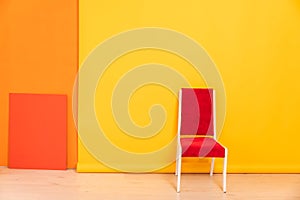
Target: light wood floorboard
56	185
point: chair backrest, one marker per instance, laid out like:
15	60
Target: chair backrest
197	112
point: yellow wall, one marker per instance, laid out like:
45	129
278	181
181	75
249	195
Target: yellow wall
255	45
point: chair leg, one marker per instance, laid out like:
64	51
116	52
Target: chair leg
176	168
178	173
212	166
225	171
177	157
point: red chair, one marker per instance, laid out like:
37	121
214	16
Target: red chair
197	129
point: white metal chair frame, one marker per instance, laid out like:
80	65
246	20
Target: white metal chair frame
179	148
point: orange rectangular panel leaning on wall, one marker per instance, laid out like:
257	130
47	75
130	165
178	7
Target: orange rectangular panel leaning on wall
38	54
37	131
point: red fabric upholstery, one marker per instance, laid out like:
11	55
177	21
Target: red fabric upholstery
201	147
197	112
197	119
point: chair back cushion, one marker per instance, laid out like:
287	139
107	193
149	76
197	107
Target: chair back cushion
197	111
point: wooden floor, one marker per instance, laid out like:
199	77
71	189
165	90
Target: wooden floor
56	185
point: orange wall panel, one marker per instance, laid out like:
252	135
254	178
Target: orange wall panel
38	54
37	131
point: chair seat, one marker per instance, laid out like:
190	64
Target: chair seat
201	147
